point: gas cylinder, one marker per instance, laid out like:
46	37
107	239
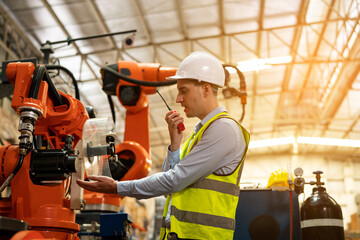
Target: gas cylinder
321	216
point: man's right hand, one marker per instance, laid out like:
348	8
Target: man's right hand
173	119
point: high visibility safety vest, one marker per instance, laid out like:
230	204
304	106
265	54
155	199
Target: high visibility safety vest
205	209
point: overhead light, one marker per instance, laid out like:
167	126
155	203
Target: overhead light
271	142
329	141
304	140
231	70
261	64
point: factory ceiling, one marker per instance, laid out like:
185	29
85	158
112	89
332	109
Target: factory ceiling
300	59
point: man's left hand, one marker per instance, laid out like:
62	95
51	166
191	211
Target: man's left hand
100	184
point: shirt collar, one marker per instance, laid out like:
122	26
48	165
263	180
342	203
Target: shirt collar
208	117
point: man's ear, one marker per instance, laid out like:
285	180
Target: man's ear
206	87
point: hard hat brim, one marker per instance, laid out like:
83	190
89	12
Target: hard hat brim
179	77
189	78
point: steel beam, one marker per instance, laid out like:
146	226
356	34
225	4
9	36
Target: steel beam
233	35
61	25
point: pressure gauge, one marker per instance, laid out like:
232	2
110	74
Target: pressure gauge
298	172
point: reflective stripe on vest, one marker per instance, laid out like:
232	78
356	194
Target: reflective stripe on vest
215	185
201	211
203	219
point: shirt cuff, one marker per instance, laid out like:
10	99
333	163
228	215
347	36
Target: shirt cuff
174	157
123	188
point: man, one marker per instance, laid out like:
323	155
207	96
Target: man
202	179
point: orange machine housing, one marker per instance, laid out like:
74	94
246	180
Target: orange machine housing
136	143
44	207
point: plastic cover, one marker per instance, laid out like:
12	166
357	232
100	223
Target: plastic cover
94	135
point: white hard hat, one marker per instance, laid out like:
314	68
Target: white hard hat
201	66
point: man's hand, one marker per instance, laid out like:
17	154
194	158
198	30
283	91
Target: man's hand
102	184
173	119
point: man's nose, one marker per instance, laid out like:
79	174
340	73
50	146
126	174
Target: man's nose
179	98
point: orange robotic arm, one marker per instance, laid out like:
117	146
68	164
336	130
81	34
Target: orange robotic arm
38	168
134	96
134	153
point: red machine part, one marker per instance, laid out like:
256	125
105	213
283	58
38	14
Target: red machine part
62	121
136	143
27	235
44	207
20	75
142	165
40	235
56	121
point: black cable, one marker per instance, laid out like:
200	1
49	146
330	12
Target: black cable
134	81
41	73
59	67
54	94
36	81
111	103
138	82
12	174
18	166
